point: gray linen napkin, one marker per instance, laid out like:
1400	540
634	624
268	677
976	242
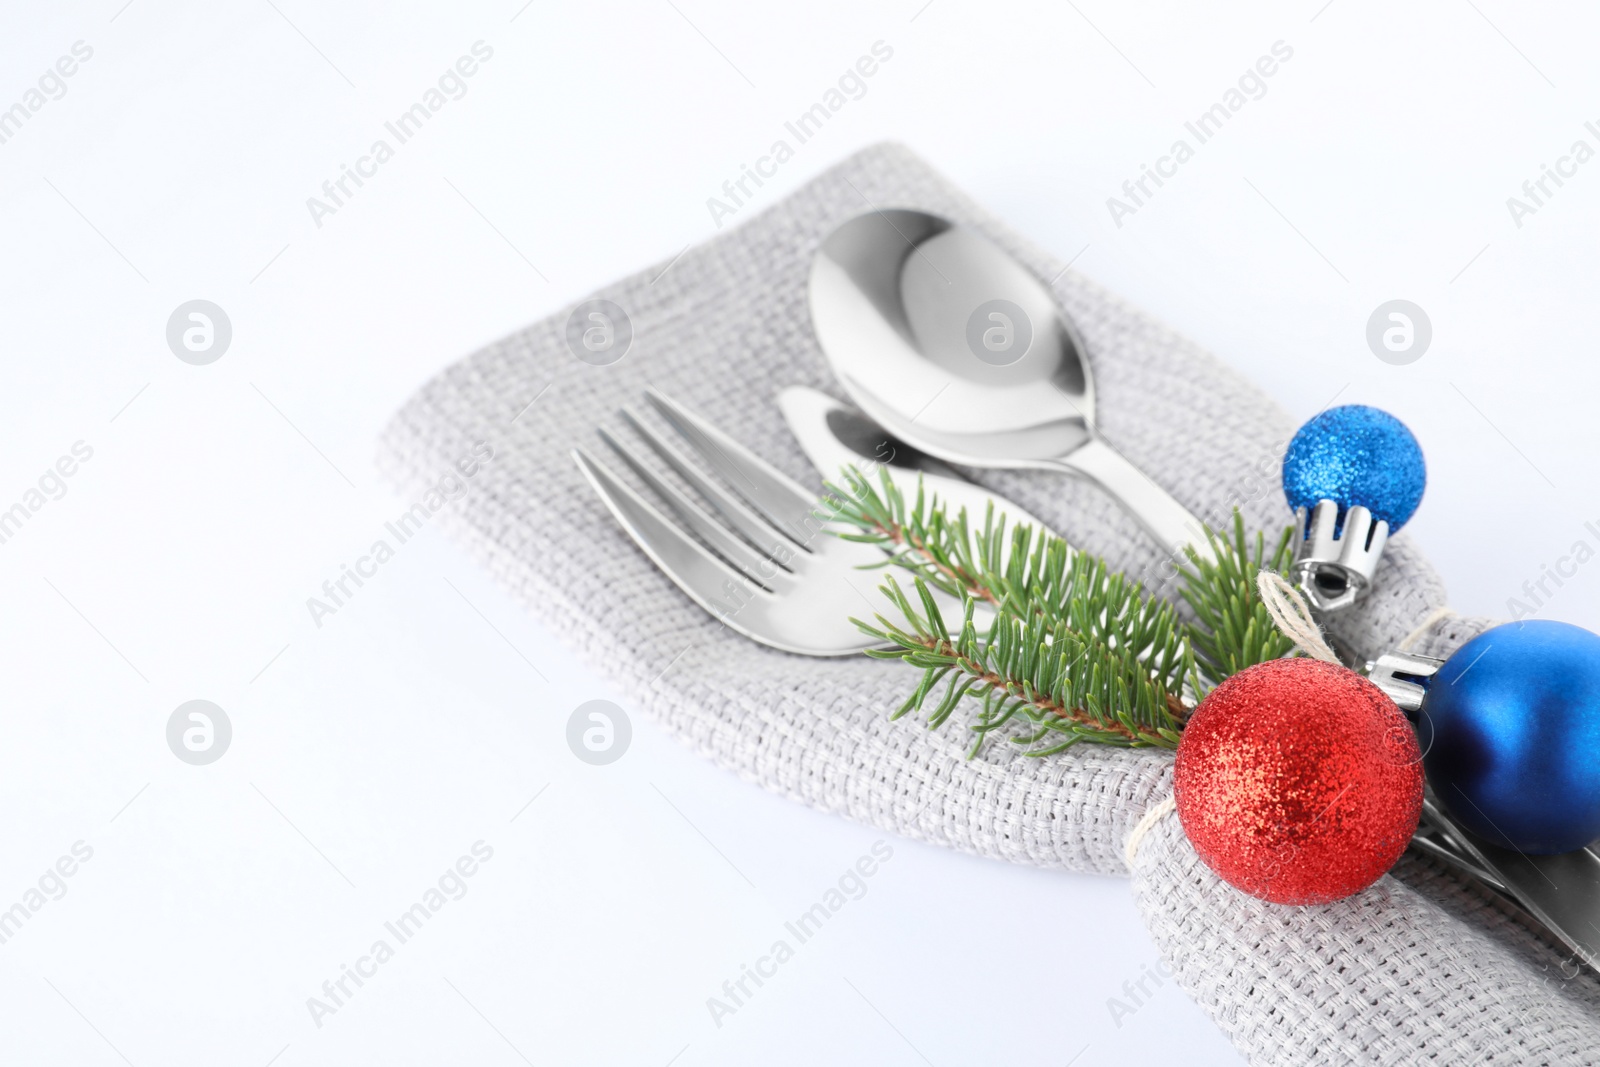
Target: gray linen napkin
1419	968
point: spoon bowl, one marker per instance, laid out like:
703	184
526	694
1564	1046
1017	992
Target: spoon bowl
949	343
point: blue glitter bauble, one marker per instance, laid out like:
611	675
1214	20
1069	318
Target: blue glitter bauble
1510	734
1356	455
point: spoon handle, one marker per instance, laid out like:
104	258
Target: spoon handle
1166	520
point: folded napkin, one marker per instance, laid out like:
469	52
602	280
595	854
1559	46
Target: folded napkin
1419	968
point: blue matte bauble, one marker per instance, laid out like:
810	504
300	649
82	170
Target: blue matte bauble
1356	455
1510	734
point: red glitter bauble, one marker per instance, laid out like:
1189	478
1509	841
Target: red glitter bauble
1298	781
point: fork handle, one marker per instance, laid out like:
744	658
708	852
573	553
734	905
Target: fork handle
1162	517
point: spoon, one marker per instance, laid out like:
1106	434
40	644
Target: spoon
953	346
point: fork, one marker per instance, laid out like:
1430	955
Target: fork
766	564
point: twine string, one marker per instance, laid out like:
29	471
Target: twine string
1292	615
1437	615
1146	824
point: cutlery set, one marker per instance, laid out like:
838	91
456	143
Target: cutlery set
892	295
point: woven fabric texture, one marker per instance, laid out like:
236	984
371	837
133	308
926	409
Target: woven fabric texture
1412	970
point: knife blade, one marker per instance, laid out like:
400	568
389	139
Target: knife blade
835	435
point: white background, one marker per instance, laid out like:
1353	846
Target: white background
370	753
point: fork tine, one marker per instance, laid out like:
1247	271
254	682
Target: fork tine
773	540
757	566
711	583
767	489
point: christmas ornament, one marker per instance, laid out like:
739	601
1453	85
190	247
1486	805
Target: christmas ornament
1510	730
1353	475
1298	781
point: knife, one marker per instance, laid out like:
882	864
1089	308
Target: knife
835	435
1560	892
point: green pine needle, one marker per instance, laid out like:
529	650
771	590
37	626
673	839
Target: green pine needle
1232	629
1069	650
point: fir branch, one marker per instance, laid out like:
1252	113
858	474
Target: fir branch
1067	686
1232	629
1075	651
921	538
